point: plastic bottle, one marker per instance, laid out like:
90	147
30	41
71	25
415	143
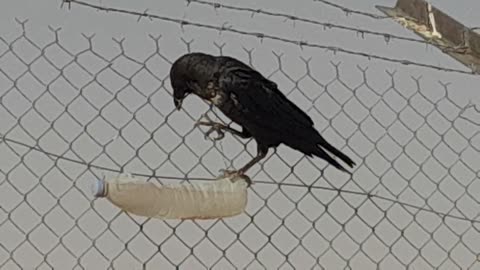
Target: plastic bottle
224	197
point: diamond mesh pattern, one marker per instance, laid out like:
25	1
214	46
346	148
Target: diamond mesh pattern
412	144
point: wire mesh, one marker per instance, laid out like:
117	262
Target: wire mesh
67	118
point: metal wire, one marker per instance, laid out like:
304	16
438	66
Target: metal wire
228	28
349	11
325	25
257	181
412	201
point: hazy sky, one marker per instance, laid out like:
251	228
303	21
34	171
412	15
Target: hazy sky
399	153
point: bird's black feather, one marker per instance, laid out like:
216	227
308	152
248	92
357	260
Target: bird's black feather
255	103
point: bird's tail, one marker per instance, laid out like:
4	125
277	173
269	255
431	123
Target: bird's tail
310	142
323	145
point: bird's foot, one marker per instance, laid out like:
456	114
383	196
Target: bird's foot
214	127
234	174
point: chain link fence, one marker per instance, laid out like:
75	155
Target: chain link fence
67	118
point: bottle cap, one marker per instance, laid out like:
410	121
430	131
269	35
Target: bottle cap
98	188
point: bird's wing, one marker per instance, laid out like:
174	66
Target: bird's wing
260	100
263	107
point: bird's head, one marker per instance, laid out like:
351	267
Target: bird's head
186	75
180	91
179	79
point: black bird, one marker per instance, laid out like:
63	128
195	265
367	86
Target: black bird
253	102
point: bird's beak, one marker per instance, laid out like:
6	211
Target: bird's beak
178	103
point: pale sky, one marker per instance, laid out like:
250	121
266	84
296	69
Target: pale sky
48	217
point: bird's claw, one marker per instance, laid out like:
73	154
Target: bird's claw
207	121
234	174
214	127
220	133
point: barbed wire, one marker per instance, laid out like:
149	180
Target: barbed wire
475	108
167	177
327	25
301	43
349	11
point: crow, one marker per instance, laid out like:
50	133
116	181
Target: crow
253	102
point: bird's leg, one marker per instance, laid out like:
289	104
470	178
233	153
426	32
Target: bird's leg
220	129
261	154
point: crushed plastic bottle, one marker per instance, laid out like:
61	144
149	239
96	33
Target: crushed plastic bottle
224	197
